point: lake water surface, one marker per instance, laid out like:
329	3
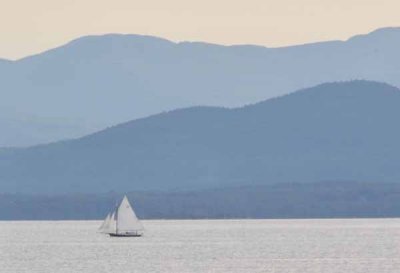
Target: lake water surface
364	245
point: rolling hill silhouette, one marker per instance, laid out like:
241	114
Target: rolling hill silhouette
332	132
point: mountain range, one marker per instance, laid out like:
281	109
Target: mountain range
98	81
344	131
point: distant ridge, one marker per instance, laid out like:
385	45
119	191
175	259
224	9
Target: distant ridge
99	81
311	200
333	132
379	32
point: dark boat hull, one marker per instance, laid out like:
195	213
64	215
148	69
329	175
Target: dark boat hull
126	235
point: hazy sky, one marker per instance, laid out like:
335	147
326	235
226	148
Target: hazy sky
31	26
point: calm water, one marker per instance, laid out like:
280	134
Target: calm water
204	246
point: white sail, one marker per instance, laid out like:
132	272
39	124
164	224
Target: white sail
105	224
112	225
127	222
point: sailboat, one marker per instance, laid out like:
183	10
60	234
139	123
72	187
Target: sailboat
122	222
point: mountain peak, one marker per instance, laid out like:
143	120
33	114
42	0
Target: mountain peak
354	86
334	93
115	37
380	33
360	90
103	45
386	30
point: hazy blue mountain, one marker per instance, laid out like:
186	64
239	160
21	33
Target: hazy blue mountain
311	200
332	132
19	130
105	80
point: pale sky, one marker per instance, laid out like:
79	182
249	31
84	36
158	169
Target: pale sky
32	26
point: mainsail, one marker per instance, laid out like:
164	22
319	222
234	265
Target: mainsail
126	218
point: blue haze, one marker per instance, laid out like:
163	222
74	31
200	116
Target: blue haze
333	132
99	81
